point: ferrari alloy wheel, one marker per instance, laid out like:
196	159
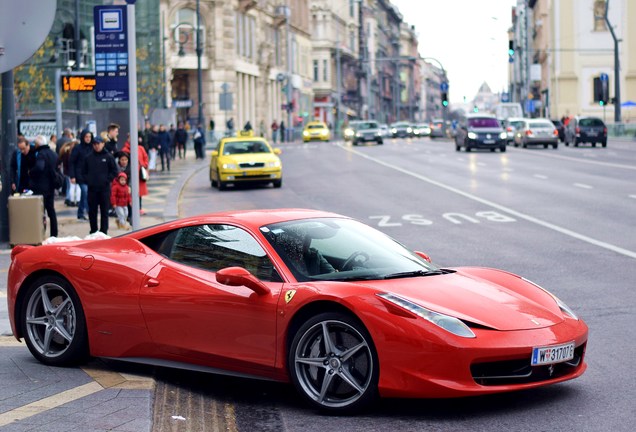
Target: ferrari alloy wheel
53	322
333	363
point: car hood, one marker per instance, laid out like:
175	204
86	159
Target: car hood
474	299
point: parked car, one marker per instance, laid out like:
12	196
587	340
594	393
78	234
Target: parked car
536	131
336	308
364	131
560	127
437	128
480	131
584	129
401	130
511	125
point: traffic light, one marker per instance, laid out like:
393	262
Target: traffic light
445	99
601	90
511	51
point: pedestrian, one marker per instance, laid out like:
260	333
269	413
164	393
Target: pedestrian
110	140
199	141
229	127
283	138
153	147
164	147
261	128
76	163
53	144
180	140
142	160
121	199
42	178
73	192
22	161
274	127
248	126
173	148
99	170
67	136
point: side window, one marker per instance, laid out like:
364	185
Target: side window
213	247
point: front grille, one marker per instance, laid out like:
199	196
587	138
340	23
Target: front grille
520	371
252	165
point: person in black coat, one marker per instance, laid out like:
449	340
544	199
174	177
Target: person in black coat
21	162
76	164
164	147
42	177
99	170
180	140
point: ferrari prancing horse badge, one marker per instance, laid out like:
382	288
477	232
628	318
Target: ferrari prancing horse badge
289	295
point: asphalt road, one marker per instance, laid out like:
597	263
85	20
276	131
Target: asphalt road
562	218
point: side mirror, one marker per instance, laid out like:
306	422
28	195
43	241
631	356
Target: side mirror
215	153
423	256
238	276
277	151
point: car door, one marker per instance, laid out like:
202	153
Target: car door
191	315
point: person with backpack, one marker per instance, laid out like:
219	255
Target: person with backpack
42	176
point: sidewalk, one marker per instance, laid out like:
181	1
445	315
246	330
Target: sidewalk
102	395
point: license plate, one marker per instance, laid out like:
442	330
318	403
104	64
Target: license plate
592	133
552	354
489	141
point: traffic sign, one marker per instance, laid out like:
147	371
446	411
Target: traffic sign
604	77
443	86
111	53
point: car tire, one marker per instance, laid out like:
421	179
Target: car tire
468	149
555	146
53	323
458	148
545	146
502	149
220	184
277	183
321	371
380	142
576	143
604	144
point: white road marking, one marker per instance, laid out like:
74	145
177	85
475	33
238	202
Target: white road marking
583	186
633	196
48	403
532	219
575	159
541	176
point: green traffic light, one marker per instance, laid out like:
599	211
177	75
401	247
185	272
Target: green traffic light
601	103
445	103
511	52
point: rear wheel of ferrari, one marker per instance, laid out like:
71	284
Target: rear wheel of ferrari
333	363
53	323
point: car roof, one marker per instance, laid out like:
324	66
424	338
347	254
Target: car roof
251	219
243	139
316	122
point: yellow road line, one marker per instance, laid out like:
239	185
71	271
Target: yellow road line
48	403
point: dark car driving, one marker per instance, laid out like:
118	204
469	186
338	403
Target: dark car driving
560	127
480	131
584	129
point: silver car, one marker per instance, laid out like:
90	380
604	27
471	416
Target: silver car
536	131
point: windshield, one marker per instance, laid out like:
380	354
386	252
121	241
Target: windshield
591	122
483	122
341	249
242	147
366	125
316	126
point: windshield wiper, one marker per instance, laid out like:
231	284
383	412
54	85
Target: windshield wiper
415	273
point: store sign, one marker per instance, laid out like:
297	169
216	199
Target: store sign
32	128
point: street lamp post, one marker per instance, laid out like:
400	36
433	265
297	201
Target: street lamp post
199	78
289	130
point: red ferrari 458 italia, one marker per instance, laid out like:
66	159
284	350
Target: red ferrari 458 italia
342	311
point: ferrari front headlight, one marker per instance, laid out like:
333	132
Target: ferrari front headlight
447	322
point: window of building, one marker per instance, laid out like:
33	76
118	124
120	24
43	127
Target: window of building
352	8
325	76
315	70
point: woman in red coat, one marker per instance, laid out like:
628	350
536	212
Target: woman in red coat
143	162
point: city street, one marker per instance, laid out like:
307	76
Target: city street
561	218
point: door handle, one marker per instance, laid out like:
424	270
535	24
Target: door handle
151	283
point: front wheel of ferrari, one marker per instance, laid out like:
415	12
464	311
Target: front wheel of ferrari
53	322
333	363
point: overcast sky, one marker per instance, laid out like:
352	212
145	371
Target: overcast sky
469	38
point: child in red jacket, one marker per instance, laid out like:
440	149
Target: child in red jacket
120	198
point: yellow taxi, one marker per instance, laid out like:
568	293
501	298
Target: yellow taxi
245	159
316	130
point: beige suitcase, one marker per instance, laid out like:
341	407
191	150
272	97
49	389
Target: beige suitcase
26	220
